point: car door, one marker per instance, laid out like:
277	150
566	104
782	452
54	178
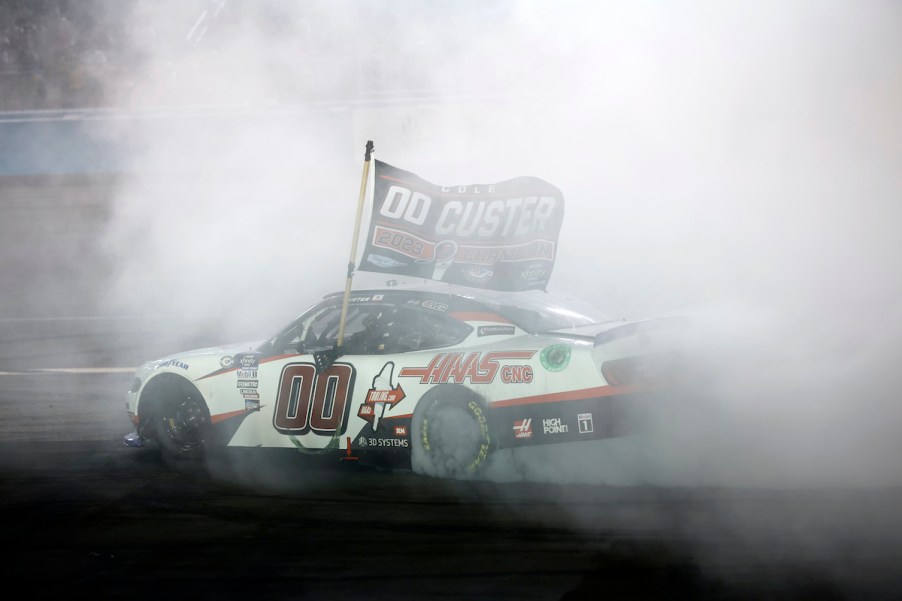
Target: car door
308	389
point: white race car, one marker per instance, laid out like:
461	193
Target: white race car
432	378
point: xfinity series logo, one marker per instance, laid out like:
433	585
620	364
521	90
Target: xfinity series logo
535	272
523	428
247	360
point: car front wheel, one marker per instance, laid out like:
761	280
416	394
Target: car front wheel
182	420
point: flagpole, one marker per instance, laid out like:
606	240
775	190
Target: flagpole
351	266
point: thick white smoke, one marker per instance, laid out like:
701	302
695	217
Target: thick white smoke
737	162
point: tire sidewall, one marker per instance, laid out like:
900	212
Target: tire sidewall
428	460
171	395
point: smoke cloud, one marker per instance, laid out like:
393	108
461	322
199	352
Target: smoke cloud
735	162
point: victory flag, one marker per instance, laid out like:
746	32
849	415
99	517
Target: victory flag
501	236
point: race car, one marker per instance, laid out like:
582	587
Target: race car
433	378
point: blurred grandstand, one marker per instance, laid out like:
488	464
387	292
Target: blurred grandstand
56	54
83	54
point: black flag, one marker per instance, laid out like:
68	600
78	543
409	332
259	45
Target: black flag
501	236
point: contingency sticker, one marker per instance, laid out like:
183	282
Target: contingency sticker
384	394
555	357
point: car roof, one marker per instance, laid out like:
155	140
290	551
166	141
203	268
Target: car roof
532	310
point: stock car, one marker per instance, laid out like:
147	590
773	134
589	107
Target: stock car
424	378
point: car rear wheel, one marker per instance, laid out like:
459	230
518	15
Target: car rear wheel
182	420
450	433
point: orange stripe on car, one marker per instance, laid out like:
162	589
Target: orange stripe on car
478	316
221	417
571	395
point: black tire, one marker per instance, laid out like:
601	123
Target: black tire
450	433
181	420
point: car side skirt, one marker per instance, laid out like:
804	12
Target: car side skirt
606	414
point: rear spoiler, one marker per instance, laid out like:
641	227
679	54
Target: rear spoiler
641	327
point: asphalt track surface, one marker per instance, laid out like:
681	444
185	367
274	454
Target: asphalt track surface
82	514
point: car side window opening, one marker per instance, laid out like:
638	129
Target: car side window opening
375	328
387	329
370	329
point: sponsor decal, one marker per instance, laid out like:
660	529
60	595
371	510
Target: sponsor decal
247	373
477	275
251	405
172	363
495	330
516	374
384	442
360	299
554	426
246	391
226	362
435	306
585	423
250	394
523	428
378	297
535	272
383	394
475	367
555	357
247	360
383	261
247	383
428	304
400	430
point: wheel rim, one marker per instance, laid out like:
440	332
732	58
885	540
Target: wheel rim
185	424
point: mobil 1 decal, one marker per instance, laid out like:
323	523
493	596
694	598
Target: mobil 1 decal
501	236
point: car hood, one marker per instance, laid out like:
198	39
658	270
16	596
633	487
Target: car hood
210	352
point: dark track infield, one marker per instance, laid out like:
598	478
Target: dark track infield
84	514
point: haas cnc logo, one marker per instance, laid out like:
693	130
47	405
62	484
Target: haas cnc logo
523	428
475	367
